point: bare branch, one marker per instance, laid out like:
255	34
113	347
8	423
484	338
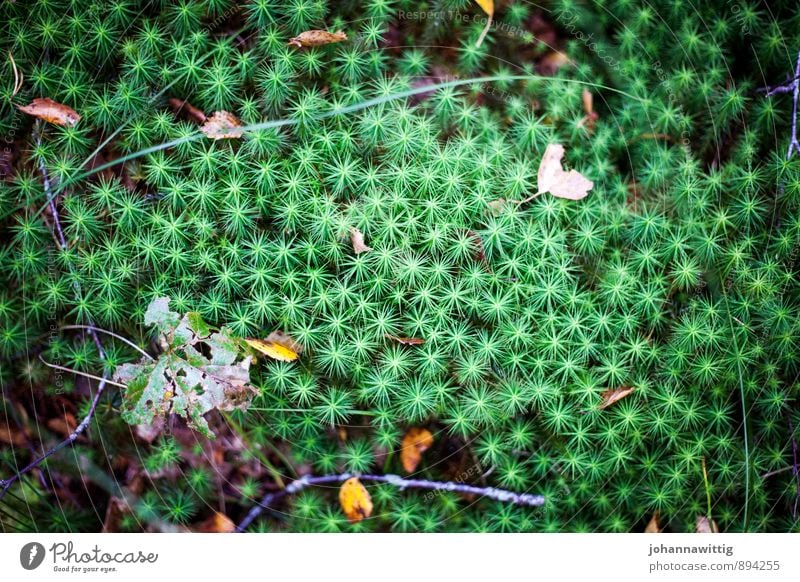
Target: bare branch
309	480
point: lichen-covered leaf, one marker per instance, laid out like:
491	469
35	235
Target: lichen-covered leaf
199	371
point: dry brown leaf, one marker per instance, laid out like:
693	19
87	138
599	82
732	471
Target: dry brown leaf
653	525
612	396
562	184
222	125
317	38
357	239
183	106
704	525
355	500
416	441
488	7
50	111
217	523
406	341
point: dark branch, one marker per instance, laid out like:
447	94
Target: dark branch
308	480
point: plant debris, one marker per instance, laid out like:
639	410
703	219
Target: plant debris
199	371
48	110
311	38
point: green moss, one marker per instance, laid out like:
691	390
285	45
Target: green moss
676	275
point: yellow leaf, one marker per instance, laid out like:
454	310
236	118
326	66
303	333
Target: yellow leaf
273	349
653	525
222	125
488	7
317	38
415	442
357	239
612	396
50	111
355	500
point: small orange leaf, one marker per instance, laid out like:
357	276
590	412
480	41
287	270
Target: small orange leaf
222	125
217	523
415	442
357	239
278	346
50	111
406	341
355	500
612	396
653	525
317	38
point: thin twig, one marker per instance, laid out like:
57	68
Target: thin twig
79	373
296	486
793	144
112	334
526	200
5	484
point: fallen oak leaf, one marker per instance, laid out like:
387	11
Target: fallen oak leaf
355	500
192	112
416	441
198	371
406	341
311	38
48	110
222	125
611	396
488	7
357	240
554	179
278	346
